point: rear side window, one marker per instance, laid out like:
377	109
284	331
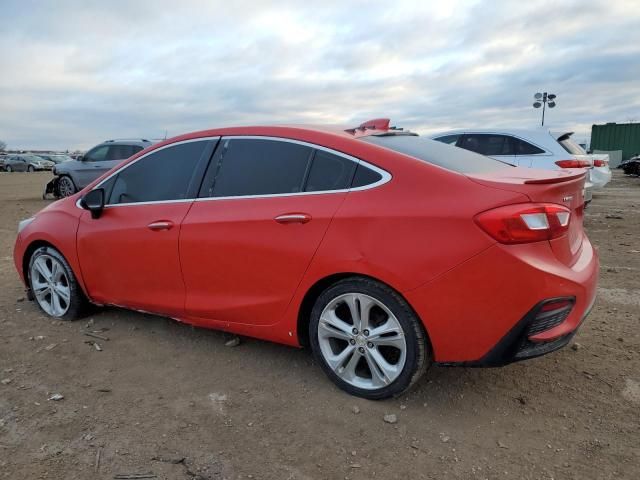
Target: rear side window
488	144
121	152
162	175
525	148
329	172
448	139
247	166
437	153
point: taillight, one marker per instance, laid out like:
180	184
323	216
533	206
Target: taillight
573	163
525	222
600	163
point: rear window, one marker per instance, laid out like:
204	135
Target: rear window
437	153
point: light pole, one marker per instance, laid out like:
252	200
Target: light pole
542	99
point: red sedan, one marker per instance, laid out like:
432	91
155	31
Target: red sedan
383	251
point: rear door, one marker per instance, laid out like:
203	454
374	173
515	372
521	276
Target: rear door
494	145
264	207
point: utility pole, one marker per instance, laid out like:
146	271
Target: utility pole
542	100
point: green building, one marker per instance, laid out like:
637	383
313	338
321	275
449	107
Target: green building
617	136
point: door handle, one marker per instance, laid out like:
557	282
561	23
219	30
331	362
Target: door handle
293	218
160	225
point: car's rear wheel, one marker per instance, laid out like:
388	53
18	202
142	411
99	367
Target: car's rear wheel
367	339
31	168
66	187
54	285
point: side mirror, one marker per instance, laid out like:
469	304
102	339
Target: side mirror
81	158
94	202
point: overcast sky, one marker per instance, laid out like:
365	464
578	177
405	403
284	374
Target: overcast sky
74	73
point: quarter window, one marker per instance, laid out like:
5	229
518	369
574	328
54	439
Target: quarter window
329	172
365	176
163	175
525	148
246	166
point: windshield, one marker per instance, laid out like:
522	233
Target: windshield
31	158
438	153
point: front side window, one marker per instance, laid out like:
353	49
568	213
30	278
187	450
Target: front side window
98	154
160	176
247	166
488	144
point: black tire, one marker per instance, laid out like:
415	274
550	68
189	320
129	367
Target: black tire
71	185
418	357
9	169
78	304
31	169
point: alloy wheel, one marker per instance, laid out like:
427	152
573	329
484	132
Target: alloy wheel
362	341
51	285
66	187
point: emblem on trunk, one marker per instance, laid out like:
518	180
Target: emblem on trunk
567	199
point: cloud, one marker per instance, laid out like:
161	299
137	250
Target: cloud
75	73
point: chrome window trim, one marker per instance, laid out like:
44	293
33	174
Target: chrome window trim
385	176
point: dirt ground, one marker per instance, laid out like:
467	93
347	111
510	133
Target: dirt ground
172	401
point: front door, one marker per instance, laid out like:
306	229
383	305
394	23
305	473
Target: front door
129	256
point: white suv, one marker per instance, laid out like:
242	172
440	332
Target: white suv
537	148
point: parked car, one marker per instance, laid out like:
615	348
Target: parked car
382	250
631	166
69	177
56	157
26	163
535	148
2	157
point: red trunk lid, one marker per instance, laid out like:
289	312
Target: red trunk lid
550	186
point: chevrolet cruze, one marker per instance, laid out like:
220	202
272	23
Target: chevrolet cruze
383	251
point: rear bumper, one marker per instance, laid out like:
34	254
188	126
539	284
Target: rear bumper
588	191
516	346
476	314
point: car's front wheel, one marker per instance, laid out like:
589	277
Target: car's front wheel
367	339
66	187
31	168
54	285
9	169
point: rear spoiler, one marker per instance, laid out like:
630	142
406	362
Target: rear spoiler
564	136
546	181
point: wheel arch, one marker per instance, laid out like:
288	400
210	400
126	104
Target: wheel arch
312	294
26	258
